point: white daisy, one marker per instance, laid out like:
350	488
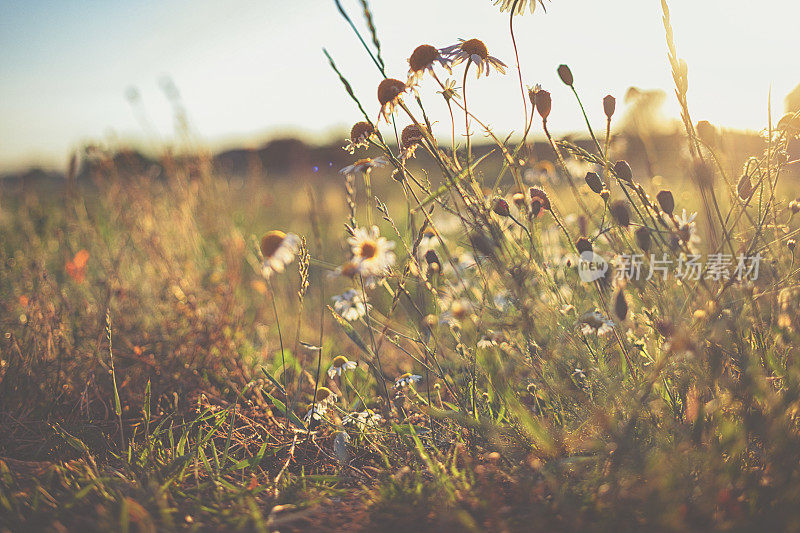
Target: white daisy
508	5
473	51
350	305
406	379
363	420
277	251
687	230
371	253
364	165
594	322
340	365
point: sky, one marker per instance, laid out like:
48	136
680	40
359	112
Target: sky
248	70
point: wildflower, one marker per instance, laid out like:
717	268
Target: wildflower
745	187
449	91
371	253
583	245
326	396
350	305
359	136
315	412
541	100
609	106
519	9
277	251
390	91
423	59
643	238
540	202
473	51
364	165
76	267
340	365
594	322
410	138
687	230
500	207
433	262
363	420
406	380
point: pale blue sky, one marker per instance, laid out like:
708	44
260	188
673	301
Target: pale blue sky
247	69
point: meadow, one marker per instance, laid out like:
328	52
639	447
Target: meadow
469	333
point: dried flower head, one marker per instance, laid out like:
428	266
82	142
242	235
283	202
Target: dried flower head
359	136
595	322
277	251
706	132
620	305
642	235
423	59
390	92
500	207
473	51
619	210
583	245
410	138
517	7
541	100
540	202
745	188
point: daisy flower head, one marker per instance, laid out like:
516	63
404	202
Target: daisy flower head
350	305
365	165
423	59
473	51
686	233
371	252
326	396
410	139
340	365
406	380
315	412
390	92
277	251
363	420
519	8
450	91
594	322
360	134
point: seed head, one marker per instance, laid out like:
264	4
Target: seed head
500	207
623	171
519	199
389	89
475	47
704	174
412	135
540	202
745	188
706	132
433	261
423	57
594	182
609	106
566	75
361	131
619	210
605	194
666	201
271	242
643	238
791	244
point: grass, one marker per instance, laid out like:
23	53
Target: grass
155	376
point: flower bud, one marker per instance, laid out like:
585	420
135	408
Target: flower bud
609	106
543	103
500	207
706	132
605	194
791	244
623	171
619	210
539	200
519	199
744	188
594	182
566	75
666	201
433	261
